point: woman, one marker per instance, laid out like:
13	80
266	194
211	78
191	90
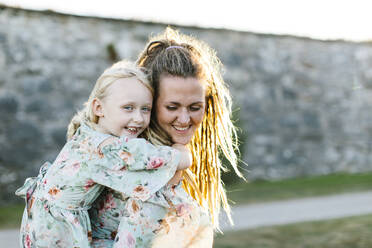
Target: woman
192	106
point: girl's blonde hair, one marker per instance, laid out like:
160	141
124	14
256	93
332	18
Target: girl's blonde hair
119	70
175	54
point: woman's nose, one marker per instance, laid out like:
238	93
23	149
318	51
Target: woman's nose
183	117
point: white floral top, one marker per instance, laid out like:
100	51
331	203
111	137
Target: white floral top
171	218
58	199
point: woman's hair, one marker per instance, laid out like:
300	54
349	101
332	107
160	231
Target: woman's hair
175	54
119	70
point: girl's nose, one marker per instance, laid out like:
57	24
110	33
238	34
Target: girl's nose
137	117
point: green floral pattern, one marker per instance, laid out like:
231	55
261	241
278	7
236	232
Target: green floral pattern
58	200
169	218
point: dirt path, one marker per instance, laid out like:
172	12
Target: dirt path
299	210
274	213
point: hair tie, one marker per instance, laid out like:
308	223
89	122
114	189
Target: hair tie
173	47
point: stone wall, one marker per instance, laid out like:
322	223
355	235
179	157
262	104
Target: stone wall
303	105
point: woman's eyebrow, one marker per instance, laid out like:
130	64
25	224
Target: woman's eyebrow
178	104
175	103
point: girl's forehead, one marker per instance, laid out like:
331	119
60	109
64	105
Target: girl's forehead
127	88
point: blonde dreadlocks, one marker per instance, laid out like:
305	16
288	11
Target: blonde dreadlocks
175	54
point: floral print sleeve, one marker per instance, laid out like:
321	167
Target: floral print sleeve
138	154
134	167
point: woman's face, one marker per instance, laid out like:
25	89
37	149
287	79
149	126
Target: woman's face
180	106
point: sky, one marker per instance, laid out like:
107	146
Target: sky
318	19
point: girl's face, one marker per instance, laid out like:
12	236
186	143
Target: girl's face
126	108
180	106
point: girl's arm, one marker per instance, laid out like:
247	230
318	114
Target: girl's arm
139	154
117	166
185	162
177	178
140	184
185	156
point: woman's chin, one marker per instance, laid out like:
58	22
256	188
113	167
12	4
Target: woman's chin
184	140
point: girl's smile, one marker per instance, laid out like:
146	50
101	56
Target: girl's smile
126	108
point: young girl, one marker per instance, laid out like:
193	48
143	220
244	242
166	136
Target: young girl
103	151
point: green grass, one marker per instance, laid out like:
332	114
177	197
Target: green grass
261	191
11	216
352	232
256	191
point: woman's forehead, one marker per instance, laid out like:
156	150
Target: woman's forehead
173	85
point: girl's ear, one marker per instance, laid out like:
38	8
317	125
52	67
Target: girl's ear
97	107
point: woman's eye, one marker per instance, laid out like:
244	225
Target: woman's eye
171	108
195	108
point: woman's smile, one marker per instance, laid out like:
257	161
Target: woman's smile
181	129
180	107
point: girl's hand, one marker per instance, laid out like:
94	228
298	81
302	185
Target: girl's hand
186	158
176	179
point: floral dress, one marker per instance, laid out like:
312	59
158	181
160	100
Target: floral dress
57	201
169	218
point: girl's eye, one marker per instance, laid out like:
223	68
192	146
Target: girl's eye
129	108
171	108
146	109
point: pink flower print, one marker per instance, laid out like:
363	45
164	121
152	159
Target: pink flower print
118	167
72	219
126	157
62	157
88	184
131	242
28	241
71	169
76	166
155	163
126	239
109	202
183	209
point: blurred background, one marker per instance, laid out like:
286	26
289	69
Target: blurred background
300	73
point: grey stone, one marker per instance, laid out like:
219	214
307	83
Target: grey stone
304	105
8	105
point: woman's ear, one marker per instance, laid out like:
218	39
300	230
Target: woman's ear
97	107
